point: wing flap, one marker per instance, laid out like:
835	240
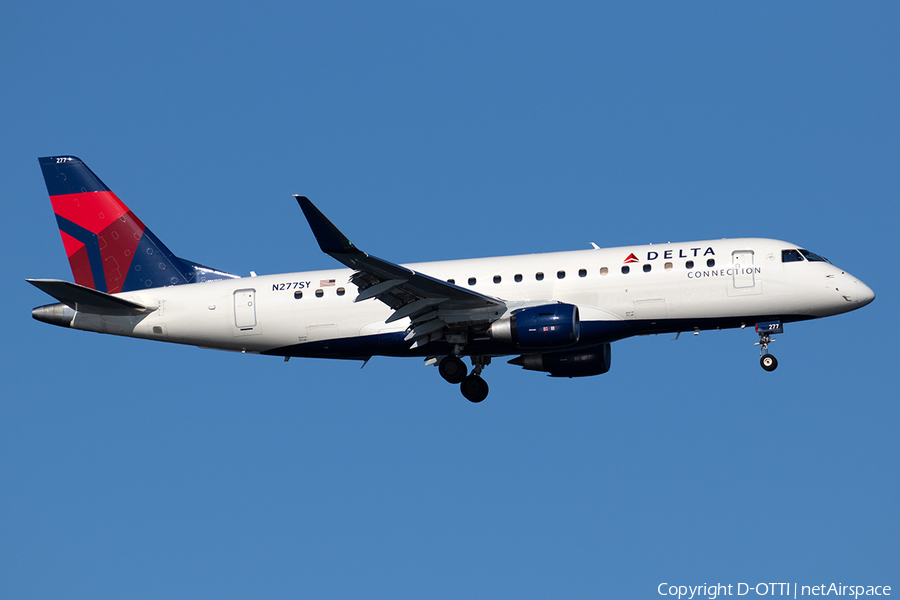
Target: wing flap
425	328
379	288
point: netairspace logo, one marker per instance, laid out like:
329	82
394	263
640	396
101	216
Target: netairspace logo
713	591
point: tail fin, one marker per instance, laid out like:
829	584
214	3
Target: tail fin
110	250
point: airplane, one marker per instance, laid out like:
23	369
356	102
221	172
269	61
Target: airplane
556	313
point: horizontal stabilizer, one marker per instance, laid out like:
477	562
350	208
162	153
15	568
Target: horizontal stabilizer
84	299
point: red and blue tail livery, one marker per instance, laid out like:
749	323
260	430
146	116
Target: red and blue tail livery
110	250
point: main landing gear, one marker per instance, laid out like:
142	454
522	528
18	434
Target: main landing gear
766	360
452	369
473	387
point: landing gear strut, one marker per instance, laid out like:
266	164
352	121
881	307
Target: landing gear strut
473	387
766	360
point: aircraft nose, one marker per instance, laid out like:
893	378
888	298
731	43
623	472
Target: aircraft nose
864	293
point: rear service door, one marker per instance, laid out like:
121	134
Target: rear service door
245	309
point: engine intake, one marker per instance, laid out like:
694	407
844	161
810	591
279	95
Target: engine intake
549	326
581	363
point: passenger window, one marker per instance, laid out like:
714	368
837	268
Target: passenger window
669	266
626	270
320	293
560	274
518	278
340	291
453	281
604	271
496	279
647	268
298	294
791	256
689	264
539	276
472	281
582	272
711	262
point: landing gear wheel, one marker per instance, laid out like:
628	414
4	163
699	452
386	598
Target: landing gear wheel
452	369
768	362
474	388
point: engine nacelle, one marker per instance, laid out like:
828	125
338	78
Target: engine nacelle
581	363
549	326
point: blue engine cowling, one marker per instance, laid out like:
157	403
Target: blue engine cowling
549	326
580	363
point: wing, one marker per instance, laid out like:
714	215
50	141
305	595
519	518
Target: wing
435	308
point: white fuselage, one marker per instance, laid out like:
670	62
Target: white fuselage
669	287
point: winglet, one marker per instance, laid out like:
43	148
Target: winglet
330	238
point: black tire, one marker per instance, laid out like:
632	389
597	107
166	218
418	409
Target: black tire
474	388
452	369
768	362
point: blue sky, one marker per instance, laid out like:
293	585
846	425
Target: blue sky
427	132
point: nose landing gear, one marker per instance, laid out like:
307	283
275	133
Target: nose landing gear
765	329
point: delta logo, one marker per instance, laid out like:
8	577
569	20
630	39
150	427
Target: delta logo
670	254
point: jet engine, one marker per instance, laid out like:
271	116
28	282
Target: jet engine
580	363
548	326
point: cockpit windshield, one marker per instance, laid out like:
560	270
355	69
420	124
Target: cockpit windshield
813	257
792	255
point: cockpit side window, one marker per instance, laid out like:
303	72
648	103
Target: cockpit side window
791	256
813	257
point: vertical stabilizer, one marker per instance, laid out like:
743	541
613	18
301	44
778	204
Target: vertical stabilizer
109	248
